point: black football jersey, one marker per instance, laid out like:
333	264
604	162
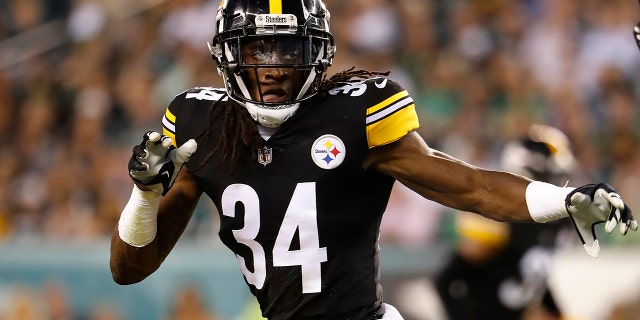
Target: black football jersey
303	218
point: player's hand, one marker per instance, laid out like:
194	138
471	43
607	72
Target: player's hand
596	203
155	162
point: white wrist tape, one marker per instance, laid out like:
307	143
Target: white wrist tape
138	221
545	201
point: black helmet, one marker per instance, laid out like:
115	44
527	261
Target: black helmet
291	35
543	154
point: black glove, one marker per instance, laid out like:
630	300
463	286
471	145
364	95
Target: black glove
593	204
155	162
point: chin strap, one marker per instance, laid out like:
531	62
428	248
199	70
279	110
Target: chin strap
271	118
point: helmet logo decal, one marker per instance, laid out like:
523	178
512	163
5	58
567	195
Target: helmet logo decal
276	23
328	151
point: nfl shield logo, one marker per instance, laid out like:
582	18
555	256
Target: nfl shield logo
264	155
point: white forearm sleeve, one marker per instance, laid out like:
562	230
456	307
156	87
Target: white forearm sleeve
545	201
138	221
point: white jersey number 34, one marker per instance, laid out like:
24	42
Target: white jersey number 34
301	215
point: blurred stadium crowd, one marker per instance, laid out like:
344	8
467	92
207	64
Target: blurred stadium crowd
82	80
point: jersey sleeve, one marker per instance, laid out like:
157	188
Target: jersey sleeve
189	106
169	122
391	119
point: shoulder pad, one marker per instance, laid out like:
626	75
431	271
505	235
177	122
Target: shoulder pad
184	104
205	93
359	88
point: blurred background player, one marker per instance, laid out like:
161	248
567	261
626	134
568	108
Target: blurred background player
499	270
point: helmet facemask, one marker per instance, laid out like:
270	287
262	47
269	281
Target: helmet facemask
272	66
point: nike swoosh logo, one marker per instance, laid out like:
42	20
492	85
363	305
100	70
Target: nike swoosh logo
381	84
166	173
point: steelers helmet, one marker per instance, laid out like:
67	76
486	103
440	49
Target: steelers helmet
543	154
257	36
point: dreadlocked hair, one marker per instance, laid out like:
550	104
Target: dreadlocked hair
349	75
239	129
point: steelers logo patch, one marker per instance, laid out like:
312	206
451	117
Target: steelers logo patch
328	151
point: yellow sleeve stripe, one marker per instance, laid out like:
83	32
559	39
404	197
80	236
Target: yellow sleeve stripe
169	126
393	119
170	116
275	6
170	135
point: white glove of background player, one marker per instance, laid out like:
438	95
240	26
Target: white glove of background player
155	162
596	203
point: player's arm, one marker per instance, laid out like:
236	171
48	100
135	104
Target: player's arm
150	223
131	264
451	182
500	195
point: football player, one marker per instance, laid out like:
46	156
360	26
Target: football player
499	270
301	167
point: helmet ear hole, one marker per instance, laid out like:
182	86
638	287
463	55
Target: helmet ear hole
323	65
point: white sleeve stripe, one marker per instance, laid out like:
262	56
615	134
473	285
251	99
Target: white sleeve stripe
389	110
168	125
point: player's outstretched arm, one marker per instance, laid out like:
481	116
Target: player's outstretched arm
451	182
499	195
150	224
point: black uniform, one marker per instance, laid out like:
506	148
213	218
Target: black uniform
505	286
303	219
